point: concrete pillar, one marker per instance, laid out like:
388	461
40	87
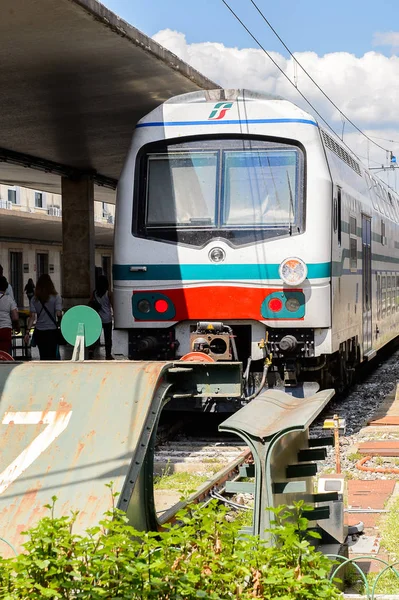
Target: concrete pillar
77	240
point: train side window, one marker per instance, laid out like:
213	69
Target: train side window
388	295
335	214
339	198
379	296
382	201
383	238
375	195
389	205
353	244
383	295
371	190
397	293
393	207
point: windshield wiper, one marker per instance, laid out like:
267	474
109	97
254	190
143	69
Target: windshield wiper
291	202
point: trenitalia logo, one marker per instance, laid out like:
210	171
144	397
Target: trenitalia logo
219	110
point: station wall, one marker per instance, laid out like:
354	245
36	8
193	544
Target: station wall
23	259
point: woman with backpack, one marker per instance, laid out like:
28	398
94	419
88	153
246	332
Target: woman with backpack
102	301
45	310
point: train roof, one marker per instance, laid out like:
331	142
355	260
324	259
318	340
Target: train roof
236	95
219	95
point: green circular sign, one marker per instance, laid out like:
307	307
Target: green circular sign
88	317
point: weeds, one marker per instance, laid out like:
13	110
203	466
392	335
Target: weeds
205	558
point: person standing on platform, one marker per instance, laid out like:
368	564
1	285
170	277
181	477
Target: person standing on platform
30	289
9	291
8	316
103	298
45	309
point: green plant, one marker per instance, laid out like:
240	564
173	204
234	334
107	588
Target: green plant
165	472
354	456
203	557
181	481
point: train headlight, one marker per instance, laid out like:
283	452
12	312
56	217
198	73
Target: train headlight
292	304
144	306
217	255
293	271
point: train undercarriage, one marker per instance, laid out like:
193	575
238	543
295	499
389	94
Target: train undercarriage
288	361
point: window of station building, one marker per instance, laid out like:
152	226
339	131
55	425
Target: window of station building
353	244
106	267
12	195
42	263
39	200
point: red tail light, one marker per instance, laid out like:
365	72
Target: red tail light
275	304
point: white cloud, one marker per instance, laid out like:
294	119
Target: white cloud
366	89
386	38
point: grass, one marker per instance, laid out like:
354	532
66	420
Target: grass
355	456
387	584
179	481
389	528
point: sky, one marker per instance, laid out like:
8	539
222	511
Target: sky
350	48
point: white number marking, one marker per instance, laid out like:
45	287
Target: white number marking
56	422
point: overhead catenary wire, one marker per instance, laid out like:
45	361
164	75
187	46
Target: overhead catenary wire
278	66
315	82
296	87
376	137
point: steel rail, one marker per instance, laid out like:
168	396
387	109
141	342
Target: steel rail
202	494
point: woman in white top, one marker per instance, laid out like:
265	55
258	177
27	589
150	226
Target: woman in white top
8	316
45	309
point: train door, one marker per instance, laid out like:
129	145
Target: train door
367	296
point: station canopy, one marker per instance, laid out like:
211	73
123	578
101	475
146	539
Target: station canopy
75	79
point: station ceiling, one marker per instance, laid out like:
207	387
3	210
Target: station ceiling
23	227
75	79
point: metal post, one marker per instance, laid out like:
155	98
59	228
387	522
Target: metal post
336	444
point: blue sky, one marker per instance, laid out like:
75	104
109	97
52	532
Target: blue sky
324	27
351	49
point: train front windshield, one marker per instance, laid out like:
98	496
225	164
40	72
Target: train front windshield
223	188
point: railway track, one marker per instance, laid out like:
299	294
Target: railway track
185	464
204	458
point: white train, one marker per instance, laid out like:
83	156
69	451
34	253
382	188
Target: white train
245	230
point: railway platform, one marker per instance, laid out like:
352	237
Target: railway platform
369	500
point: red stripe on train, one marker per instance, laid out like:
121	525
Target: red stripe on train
215	302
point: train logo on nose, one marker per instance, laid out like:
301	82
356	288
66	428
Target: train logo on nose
219	111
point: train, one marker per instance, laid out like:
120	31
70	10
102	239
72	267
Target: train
246	231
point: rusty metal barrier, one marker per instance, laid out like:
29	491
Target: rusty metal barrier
69	428
276	428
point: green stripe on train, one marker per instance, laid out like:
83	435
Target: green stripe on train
219	272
